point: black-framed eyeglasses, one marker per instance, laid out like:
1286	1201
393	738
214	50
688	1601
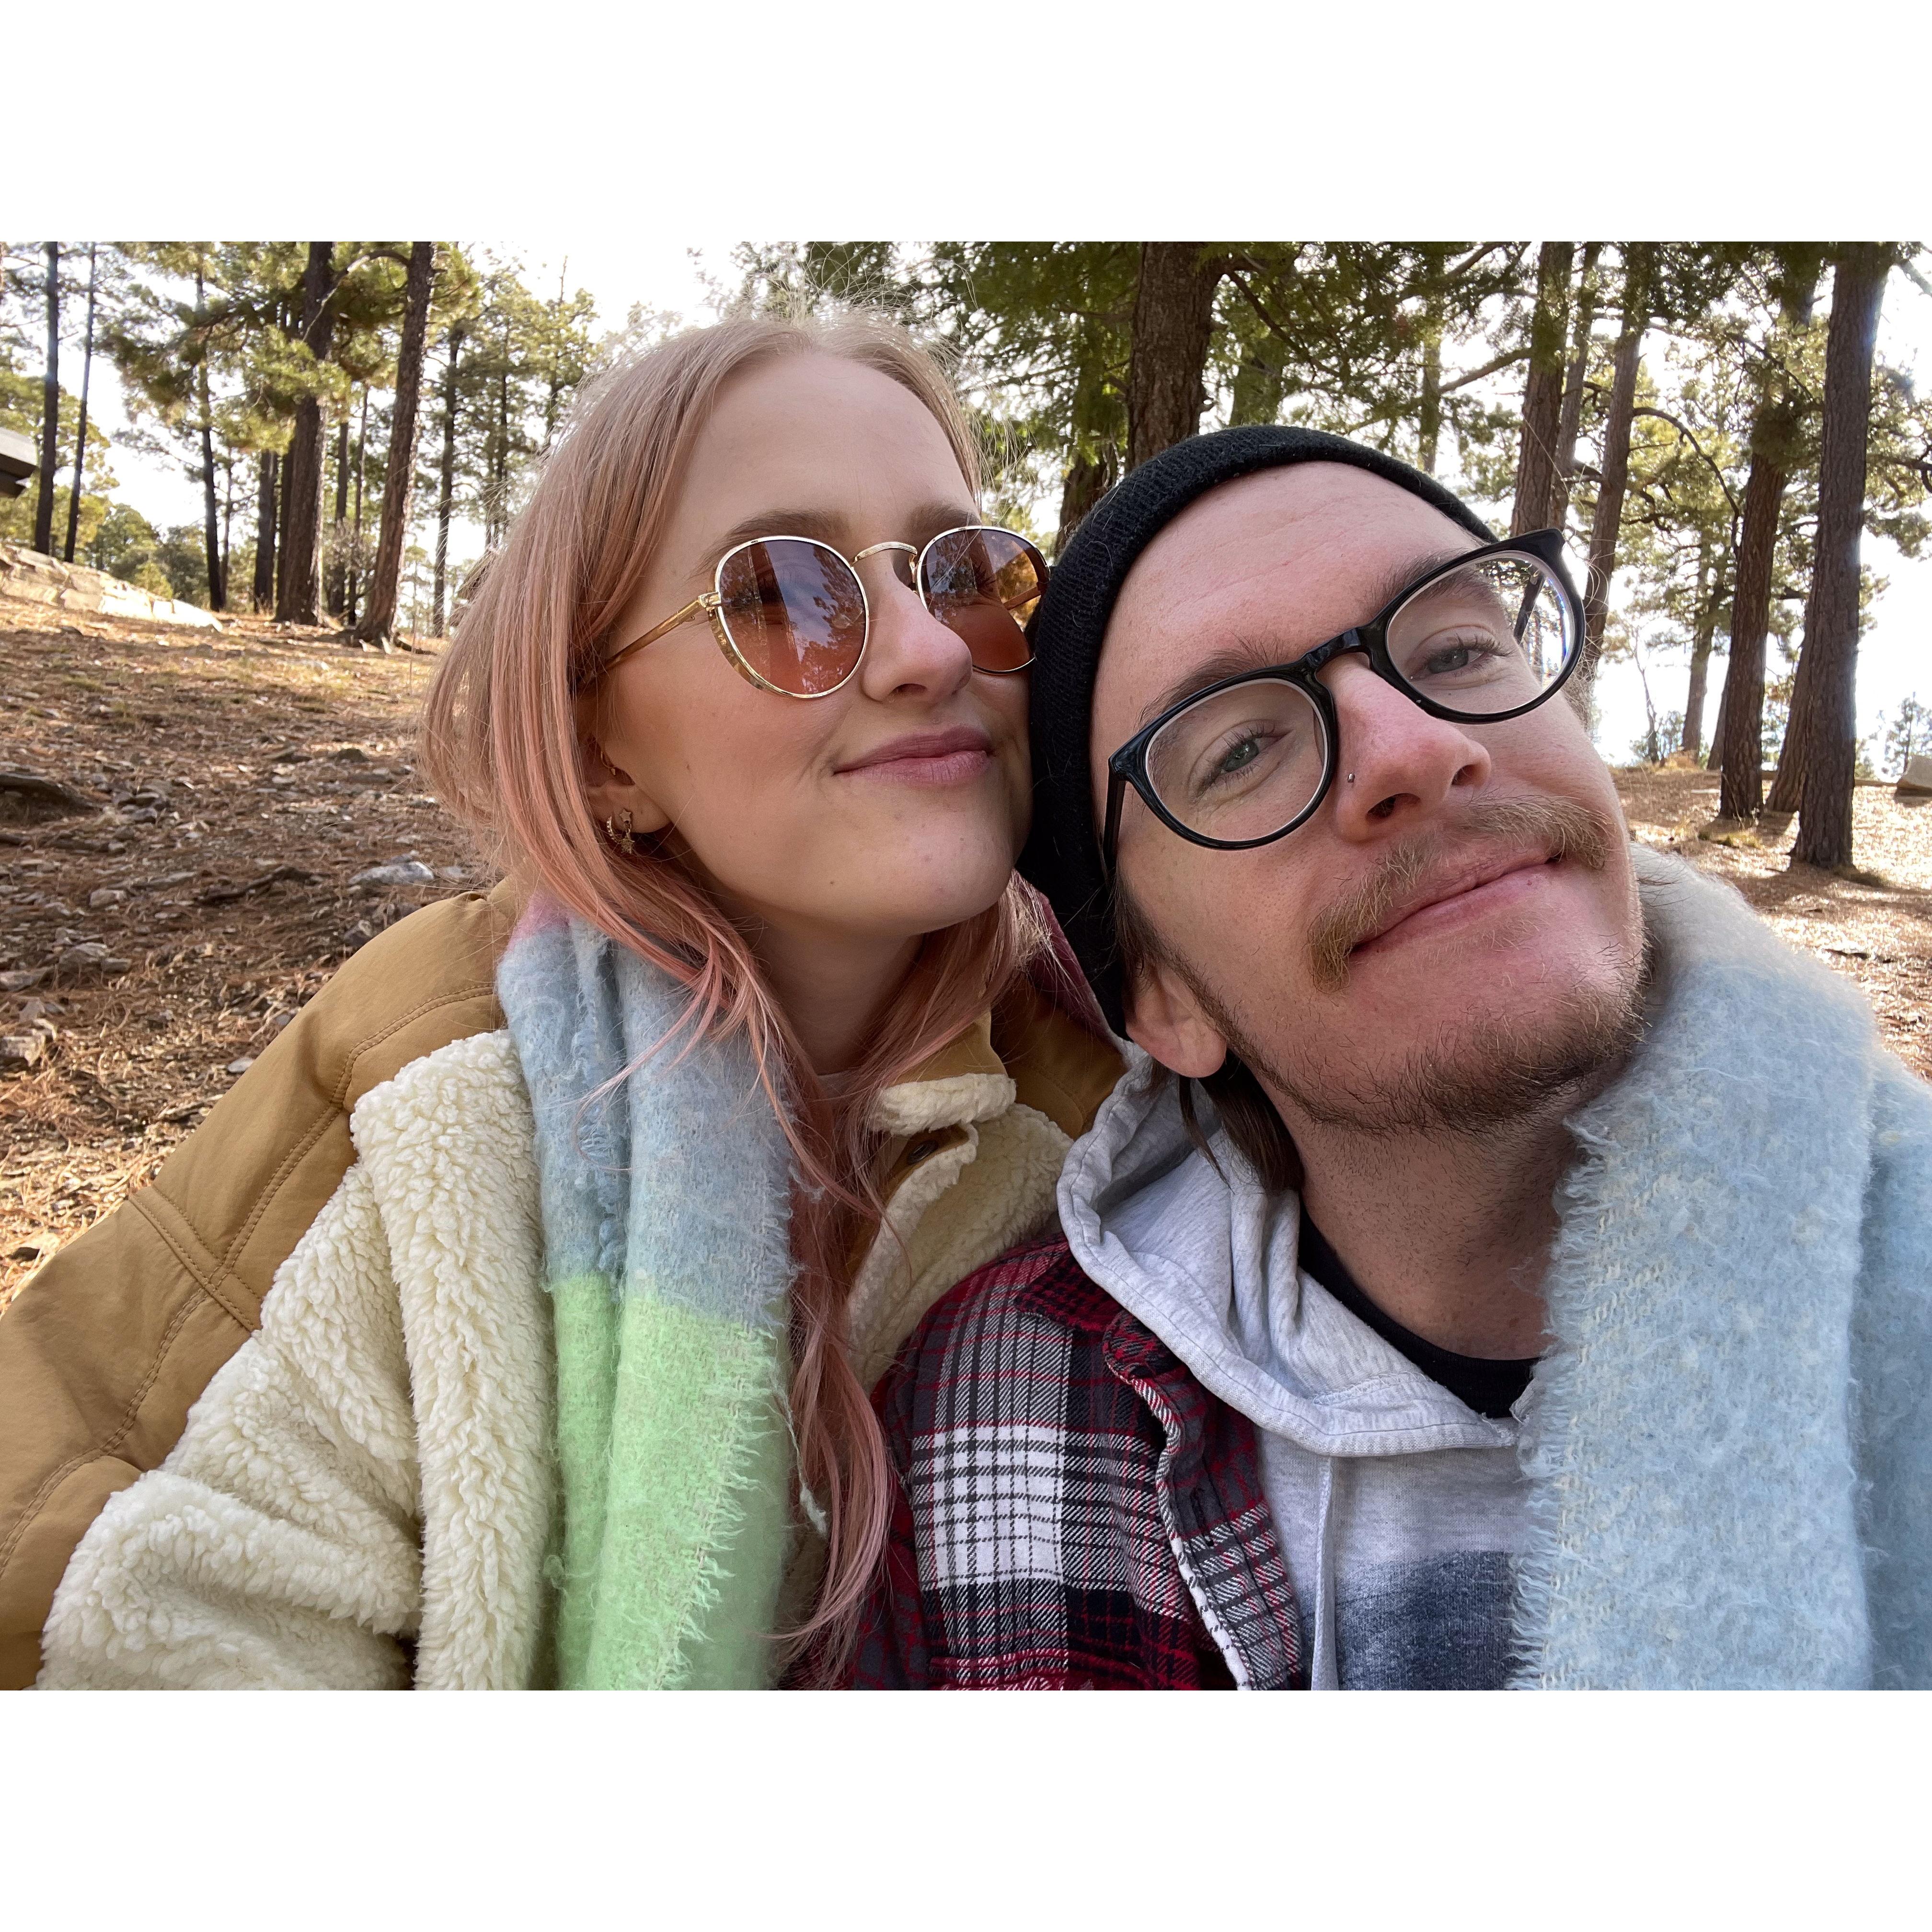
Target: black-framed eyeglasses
1487	636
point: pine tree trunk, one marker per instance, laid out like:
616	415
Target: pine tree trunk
264	586
297	585
379	618
1429	412
1536	452
80	439
1173	324
1691	739
1774	455
445	494
44	502
1824	709
1715	761
1615	468
337	584
355	538
1571	423
210	520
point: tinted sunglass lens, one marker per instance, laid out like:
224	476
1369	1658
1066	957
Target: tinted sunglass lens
983	585
795	613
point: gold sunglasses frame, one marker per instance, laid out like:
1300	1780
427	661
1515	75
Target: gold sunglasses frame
711	602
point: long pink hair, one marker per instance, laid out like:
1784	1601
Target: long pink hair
500	744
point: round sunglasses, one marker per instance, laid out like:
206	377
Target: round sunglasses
791	615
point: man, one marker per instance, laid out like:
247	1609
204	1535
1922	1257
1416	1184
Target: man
1505	1263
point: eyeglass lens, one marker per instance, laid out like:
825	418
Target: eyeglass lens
795	613
1245	763
1488	638
982	585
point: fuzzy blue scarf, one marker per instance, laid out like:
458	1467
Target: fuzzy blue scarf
1733	1439
666	1202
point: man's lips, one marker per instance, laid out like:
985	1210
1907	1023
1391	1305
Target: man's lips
1477	887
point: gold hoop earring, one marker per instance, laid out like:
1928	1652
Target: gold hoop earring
619	835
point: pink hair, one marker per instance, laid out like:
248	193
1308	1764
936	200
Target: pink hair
501	747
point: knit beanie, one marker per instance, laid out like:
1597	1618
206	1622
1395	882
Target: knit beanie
1062	855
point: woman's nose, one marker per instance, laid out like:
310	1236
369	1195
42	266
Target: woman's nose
909	652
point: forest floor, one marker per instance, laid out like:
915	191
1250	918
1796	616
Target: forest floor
242	780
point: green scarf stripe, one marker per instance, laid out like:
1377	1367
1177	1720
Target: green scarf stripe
676	1462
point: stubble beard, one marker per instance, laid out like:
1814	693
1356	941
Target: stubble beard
1476	1079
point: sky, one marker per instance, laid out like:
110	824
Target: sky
669	275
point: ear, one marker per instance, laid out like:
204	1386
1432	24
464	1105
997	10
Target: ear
608	789
1164	1017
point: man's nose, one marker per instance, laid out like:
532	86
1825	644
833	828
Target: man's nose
911	652
1395	764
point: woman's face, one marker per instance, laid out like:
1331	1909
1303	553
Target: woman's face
895	806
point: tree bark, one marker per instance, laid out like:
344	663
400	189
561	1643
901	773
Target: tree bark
296	586
1536	452
337	585
80	439
1615	468
1774	448
1824	709
445	494
210	520
355	538
1571	421
1429	413
379	618
1173	324
44	502
1691	739
264	586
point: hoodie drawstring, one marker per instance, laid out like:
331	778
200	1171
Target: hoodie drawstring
1321	1675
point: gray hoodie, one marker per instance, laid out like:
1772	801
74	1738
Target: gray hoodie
1401	1511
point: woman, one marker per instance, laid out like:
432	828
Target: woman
528	1331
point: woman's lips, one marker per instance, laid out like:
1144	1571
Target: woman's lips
926	758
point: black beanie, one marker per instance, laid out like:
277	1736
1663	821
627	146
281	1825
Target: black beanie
1062	856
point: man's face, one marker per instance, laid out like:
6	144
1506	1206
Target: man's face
1456	931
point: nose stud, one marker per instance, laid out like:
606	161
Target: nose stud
1351	777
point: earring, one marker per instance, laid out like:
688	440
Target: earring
619	835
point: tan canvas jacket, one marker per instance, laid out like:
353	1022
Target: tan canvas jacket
106	1351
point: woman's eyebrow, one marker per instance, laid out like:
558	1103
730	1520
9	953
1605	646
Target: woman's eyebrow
831	527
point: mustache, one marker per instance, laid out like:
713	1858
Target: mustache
1570	830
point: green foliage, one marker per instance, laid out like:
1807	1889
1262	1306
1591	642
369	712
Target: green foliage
1907	732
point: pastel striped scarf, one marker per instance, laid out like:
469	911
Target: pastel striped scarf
665	1212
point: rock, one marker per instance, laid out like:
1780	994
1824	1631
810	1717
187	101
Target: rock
240	1066
20	982
1916	781
452	872
396	872
19	1052
91	956
104	895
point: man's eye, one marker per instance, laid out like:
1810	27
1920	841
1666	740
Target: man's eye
1444	656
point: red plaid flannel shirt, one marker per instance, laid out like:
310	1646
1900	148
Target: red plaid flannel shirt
1075	1509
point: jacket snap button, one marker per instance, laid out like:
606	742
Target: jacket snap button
919	1151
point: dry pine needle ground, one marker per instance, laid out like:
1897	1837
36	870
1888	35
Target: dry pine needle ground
245	778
